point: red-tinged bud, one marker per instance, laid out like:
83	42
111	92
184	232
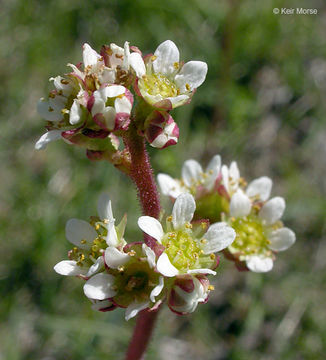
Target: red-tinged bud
161	130
187	292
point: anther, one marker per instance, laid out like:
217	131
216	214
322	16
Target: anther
212	256
83	241
153	58
211	287
203	241
169	218
187	87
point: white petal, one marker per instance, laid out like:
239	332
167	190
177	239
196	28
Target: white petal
178	100
46	138
193	74
218	236
183	210
104	208
166	54
112	236
69	268
115	258
126	57
281	239
113	91
234	172
165	267
78	230
109	114
168	185
261	187
151	226
47	112
137	63
99	102
90	56
212	172
240	204
202	271
191	172
259	264
122	105
75	113
150	254
272	210
96	267
134	308
61	84
157	290
225	177
99	287
116	57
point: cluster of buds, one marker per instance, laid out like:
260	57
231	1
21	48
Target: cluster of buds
92	106
221	194
135	276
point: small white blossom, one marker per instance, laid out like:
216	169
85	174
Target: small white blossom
185	251
163	81
257	223
193	177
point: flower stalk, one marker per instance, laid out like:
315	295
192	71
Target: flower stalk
142	175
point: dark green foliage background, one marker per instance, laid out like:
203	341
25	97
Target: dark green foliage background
263	103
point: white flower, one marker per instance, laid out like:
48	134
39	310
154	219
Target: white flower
257	223
131	281
116	115
103	68
186	252
164	82
86	258
193	177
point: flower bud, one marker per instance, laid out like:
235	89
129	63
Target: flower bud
161	130
187	292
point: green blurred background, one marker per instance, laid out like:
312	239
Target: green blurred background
263	104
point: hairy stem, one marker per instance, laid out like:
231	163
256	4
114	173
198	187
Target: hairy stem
142	175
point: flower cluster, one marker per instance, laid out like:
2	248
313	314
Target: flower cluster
134	276
222	195
93	105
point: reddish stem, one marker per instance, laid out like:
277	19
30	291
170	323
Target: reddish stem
142	175
142	334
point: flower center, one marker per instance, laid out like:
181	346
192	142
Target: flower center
182	250
251	238
157	84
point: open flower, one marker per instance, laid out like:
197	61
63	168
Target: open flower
164	81
129	280
188	249
256	221
102	68
194	179
90	241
